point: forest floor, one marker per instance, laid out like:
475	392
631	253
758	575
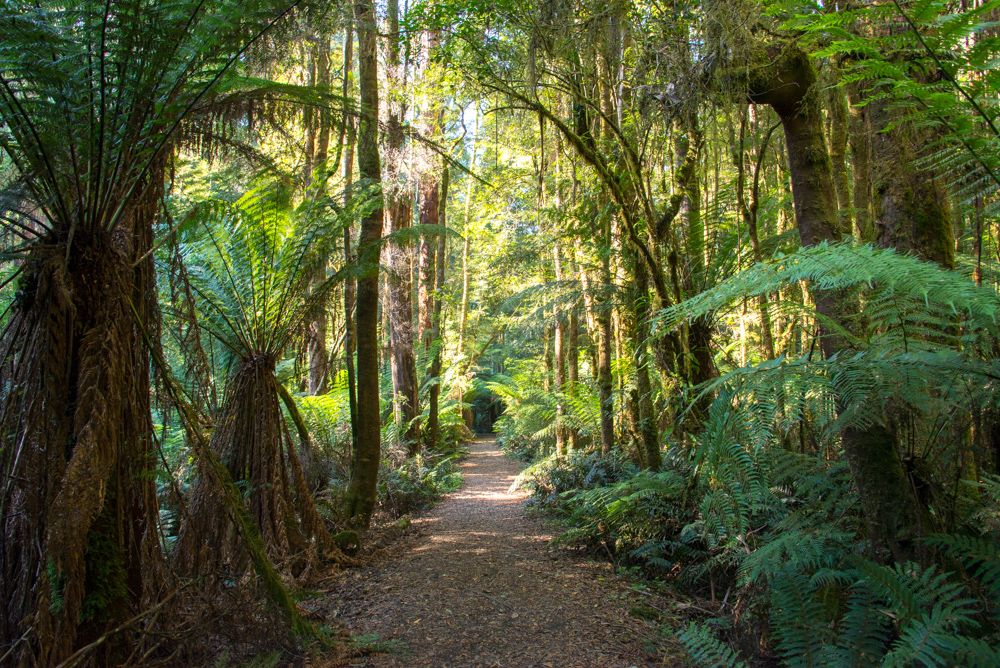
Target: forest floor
475	582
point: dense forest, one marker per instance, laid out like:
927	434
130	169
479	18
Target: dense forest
722	275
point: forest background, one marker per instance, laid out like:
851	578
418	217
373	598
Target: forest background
728	270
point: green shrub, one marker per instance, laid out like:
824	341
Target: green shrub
550	478
416	483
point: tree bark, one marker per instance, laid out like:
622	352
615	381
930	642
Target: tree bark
912	209
79	547
559	361
361	491
573	366
350	283
470	183
861	155
749	211
319	137
839	119
891	509
647	426
400	210
434	370
604	380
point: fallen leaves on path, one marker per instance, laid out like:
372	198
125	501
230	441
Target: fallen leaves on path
476	583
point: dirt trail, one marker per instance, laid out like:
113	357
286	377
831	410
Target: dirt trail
479	585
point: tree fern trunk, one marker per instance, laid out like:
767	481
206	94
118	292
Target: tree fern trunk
79	542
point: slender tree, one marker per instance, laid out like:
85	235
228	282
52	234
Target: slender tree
366	455
400	250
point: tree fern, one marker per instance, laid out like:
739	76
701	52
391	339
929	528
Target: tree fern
900	284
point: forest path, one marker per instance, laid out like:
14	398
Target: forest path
479	585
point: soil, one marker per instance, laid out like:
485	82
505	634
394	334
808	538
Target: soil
477	583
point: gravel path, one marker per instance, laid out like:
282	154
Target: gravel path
478	585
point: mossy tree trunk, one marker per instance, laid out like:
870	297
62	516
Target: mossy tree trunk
366	454
859	137
646	423
912	209
839	122
788	85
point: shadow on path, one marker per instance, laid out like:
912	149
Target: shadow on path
480	586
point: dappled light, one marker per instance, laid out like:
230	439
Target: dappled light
486	562
499	333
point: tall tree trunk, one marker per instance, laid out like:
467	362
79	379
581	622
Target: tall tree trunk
399	311
559	368
647	426
350	283
547	358
429	212
319	131
467	218
861	155
434	370
912	209
361	491
573	366
559	324
839	120
749	211
892	511
698	365
605	389
430	204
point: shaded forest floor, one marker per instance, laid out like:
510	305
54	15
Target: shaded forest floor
476	583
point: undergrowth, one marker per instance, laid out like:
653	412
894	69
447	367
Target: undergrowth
756	516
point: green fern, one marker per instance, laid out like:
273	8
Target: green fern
707	650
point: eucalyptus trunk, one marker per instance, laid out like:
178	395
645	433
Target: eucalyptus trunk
399	307
435	367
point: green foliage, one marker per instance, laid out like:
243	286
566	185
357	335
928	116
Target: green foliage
763	503
628	518
550	478
328	417
416	483
707	650
95	94
527	429
257	267
938	70
903	297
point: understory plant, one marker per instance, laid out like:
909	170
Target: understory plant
760	515
252	266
